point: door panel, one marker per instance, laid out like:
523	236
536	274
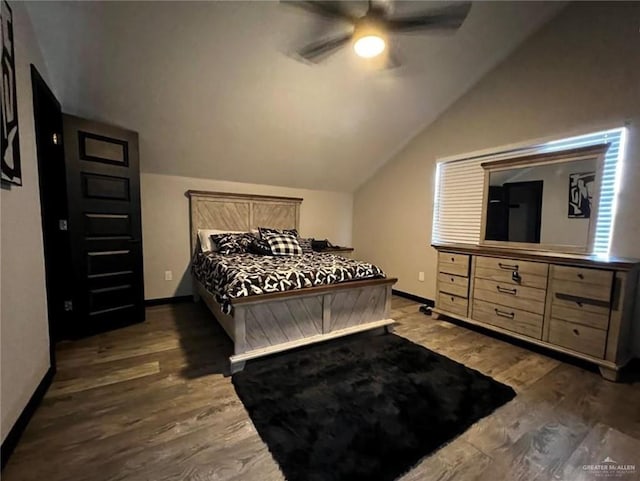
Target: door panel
105	187
107	225
99	148
108	262
104	298
104	223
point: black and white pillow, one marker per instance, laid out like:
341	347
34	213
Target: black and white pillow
260	247
305	244
284	245
233	243
267	231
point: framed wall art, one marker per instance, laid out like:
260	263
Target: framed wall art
580	194
11	169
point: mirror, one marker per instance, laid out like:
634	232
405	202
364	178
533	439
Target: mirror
547	201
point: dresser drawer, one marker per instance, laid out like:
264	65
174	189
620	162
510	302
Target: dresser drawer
510	271
454	304
580	304
580	275
587	284
581	292
457	264
525	298
597	320
510	265
451	284
577	337
516	320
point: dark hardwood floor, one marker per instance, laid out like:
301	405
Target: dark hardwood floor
150	402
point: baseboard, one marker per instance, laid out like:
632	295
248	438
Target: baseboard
11	441
413	297
167	300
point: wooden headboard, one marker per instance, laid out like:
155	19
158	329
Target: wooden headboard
241	212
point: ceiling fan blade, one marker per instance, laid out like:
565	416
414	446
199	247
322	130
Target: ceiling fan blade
327	9
449	18
317	50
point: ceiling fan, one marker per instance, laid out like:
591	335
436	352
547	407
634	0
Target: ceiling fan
370	32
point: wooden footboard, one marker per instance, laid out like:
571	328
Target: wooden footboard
270	323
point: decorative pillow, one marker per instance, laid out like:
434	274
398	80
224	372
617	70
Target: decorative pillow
206	245
260	247
284	245
232	243
305	244
267	231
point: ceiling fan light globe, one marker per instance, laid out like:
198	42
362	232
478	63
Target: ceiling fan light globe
369	46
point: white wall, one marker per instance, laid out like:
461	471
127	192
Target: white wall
165	223
580	73
24	339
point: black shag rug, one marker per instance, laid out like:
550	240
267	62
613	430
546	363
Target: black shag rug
365	408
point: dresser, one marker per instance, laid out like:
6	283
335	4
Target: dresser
583	306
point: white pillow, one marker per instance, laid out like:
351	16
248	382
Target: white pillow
206	245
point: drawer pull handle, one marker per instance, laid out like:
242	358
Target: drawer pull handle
453	259
580	276
576	332
508	267
452	279
509	315
452	299
582	300
507	291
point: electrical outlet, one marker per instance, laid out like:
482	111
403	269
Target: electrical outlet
168	275
421	276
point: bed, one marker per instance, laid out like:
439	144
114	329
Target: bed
264	323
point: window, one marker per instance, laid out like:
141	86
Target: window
457	210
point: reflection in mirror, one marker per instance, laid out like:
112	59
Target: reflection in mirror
542	204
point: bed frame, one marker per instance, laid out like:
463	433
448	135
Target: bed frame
269	323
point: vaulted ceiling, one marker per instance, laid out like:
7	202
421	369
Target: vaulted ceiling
214	93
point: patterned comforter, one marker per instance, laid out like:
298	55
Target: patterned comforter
239	275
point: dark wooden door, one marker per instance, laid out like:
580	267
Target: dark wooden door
103	181
525	210
53	206
497	215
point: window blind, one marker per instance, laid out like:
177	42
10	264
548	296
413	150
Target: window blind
457	213
458	202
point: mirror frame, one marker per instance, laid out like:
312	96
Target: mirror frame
596	152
